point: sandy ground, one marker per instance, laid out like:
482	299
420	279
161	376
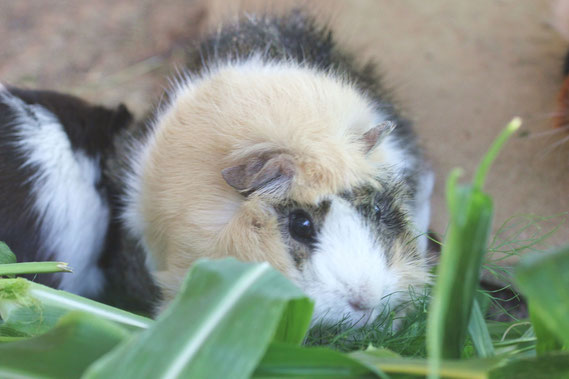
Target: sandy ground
460	69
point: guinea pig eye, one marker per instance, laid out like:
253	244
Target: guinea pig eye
301	227
377	211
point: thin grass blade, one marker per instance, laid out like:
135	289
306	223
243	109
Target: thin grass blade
490	156
479	333
33	268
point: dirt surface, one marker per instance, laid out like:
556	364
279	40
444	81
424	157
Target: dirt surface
461	70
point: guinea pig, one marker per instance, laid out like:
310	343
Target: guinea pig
276	146
53	204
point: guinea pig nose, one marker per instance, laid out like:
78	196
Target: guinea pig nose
359	305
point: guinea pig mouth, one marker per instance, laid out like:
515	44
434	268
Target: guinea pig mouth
350	318
360	313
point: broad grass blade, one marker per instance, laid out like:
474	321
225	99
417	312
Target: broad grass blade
285	360
547	341
412	367
471	212
6	255
554	365
219	326
544	280
294	324
66	351
30	309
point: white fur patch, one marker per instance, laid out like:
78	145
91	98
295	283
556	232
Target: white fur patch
396	159
348	267
423	207
73	217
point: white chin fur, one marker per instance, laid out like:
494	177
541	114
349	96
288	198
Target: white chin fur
72	215
348	270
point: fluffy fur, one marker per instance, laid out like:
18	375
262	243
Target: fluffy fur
267	126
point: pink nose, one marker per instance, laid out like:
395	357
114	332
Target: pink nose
359	305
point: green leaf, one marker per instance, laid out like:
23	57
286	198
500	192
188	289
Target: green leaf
64	352
394	365
547	366
283	360
219	326
554	365
488	159
6	255
294	322
547	341
30	309
544	280
479	333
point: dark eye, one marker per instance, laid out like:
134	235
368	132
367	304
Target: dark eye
377	211
301	227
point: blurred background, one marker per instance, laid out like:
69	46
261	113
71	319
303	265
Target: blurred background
459	69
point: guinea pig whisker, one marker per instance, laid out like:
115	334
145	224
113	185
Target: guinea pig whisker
555	145
546	133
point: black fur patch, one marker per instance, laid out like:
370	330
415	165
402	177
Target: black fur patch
18	222
383	211
89	128
129	284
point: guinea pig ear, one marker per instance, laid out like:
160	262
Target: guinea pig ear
268	174
373	137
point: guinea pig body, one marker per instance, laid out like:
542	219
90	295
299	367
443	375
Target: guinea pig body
52	203
276	147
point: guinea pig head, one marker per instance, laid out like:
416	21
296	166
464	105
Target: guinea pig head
355	252
292	167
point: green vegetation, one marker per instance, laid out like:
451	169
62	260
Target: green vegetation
9	267
239	320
